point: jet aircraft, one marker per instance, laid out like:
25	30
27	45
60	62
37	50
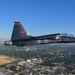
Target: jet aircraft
21	38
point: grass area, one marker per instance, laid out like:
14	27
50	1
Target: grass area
16	74
5	59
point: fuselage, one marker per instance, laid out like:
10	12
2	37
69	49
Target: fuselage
46	39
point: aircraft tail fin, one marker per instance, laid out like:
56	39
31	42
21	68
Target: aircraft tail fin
19	32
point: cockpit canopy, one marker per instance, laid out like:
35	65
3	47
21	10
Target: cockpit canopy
65	34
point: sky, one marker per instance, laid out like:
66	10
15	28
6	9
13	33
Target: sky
39	17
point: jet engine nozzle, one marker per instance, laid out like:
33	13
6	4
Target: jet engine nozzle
8	43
